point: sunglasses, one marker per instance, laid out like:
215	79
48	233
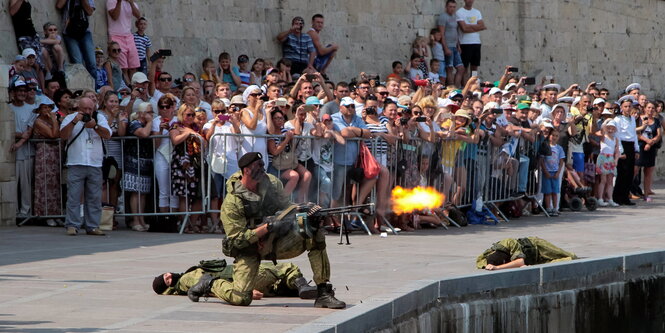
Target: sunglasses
219	111
124	93
162	107
350	106
76	108
116	50
255	94
187	115
277	118
417	113
385	93
165	79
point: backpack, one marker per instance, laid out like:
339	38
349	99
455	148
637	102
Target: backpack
77	21
214	265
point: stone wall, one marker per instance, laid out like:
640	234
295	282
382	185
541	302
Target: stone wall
7	169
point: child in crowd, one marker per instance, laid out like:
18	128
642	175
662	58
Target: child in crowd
52	51
606	164
415	73
143	43
256	74
112	66
102	78
19	65
552	166
398	70
421	48
31	69
435	43
434	76
229	76
208	67
242	71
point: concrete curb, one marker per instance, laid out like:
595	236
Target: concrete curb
383	310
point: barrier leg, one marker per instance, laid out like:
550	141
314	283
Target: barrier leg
387	223
184	224
499	211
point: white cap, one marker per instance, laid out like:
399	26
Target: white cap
28	52
547	123
627	97
139	77
495	90
510	85
630	87
577	100
607	112
566	99
609	122
237	99
598	101
552	86
226	101
346	101
491	105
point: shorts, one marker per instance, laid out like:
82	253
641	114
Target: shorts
442	69
455	59
578	161
322	60
470	54
550	185
129	57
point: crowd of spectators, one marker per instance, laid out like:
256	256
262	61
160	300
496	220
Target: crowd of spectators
433	122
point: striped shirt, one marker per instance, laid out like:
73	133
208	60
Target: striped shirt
142	43
381	146
298	48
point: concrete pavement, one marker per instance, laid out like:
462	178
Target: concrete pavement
50	282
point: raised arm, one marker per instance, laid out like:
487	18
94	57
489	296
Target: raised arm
115	11
14	6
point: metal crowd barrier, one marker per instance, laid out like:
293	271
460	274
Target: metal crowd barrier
465	173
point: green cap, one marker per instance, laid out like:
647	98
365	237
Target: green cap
523	106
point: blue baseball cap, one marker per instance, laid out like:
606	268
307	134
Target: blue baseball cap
312	100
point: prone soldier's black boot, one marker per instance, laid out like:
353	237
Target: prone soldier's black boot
305	291
202	288
326	297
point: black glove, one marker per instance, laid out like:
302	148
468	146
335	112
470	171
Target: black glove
280	227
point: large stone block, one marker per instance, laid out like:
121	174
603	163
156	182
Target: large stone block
78	77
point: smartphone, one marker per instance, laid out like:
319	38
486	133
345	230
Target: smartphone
474	73
265	98
165	52
421	119
599	84
155	56
310	77
224	117
548	77
512	69
529	81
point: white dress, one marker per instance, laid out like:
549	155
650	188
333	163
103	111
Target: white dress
254	144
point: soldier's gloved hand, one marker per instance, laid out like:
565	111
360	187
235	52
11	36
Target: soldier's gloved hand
280	227
310	208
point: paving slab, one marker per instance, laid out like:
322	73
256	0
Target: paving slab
51	283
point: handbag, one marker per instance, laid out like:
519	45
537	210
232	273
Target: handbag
106	221
286	160
218	164
366	160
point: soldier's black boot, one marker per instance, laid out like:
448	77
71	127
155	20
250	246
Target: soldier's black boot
202	288
305	291
326	297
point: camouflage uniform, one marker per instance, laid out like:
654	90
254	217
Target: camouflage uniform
271	280
241	212
545	252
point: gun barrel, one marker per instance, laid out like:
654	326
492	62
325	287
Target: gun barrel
341	210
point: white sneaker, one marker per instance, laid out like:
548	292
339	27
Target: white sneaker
602	203
612	203
51	223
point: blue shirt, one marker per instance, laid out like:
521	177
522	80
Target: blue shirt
552	161
298	48
348	153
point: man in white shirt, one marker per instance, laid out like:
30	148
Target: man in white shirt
470	22
85	156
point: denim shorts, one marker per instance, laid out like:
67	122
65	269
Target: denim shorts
550	185
455	59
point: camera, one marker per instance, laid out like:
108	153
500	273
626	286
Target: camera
403	121
178	83
310	77
421	119
529	81
86	118
140	90
590	108
370	110
512	69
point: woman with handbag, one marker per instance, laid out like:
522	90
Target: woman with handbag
47	196
282	156
117	119
186	164
138	164
650	141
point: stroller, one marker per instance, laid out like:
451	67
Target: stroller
576	198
